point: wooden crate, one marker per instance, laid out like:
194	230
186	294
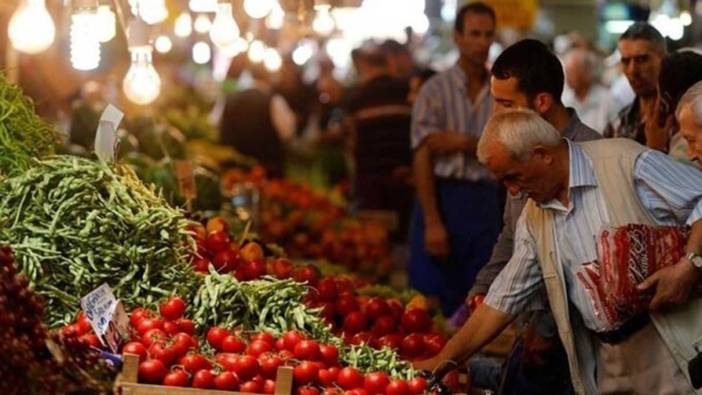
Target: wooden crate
127	382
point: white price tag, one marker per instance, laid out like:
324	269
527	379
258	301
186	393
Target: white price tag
106	134
107	316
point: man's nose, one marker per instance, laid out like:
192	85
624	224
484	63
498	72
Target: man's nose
514	189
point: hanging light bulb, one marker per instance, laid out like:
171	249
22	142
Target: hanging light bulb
202	24
163	44
203	5
323	22
31	29
106	23
141	85
224	31
257	51
240	45
153	11
201	52
272	60
258	8
303	52
183	25
85	47
276	18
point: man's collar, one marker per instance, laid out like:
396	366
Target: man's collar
570	129
581	173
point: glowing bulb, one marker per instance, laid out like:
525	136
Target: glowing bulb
163	44
85	47
201	52
258	8
142	84
257	51
31	29
686	18
106	23
272	60
224	31
302	53
153	11
183	25
323	22
276	18
202	24
240	45
203	5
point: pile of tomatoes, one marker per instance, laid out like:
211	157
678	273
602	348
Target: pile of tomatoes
171	354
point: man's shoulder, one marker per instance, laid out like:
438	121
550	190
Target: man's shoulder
437	83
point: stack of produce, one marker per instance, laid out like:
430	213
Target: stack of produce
234	359
75	224
26	365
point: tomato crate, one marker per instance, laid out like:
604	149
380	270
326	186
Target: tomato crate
128	385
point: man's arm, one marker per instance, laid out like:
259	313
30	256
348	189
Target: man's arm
481	328
435	236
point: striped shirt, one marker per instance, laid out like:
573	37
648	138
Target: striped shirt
443	105
671	192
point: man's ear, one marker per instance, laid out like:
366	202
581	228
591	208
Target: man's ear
543	153
542	103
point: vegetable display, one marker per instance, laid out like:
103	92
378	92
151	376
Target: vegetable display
23	135
75	223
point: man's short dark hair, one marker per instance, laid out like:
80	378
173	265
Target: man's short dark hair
472	8
645	31
392	47
535	67
375	57
679	71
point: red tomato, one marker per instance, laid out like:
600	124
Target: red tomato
250	387
203	379
71	330
251	270
308	274
138	315
258	347
362	338
286	355
412	345
355	322
391	341
152	371
187	326
330	354
233	344
201	265
265	337
246	367
269	387
291	338
350	378
307	390
173	308
226	260
215	336
397	387
417	385
433	344
346	304
269	365
182	342
283	268
327	288
170	327
176	378
91	339
194	363
228	361
135	348
149	323
345	285
327	377
376	382
416	320
305	372
83	323
161	351
331	391
383	325
377	307
153	335
307	349
217	240
280	344
226	381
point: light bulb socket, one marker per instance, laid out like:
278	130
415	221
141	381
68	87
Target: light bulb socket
138	33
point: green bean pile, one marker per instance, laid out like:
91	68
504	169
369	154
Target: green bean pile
367	359
75	223
268	304
23	135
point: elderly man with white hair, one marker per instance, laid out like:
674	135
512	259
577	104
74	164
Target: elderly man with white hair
689	117
574	190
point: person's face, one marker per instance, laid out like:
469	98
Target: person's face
692	133
507	95
576	76
641	64
533	177
477	37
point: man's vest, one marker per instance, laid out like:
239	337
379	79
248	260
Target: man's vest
680	328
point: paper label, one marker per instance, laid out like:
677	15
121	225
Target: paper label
107	316
106	142
186	178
